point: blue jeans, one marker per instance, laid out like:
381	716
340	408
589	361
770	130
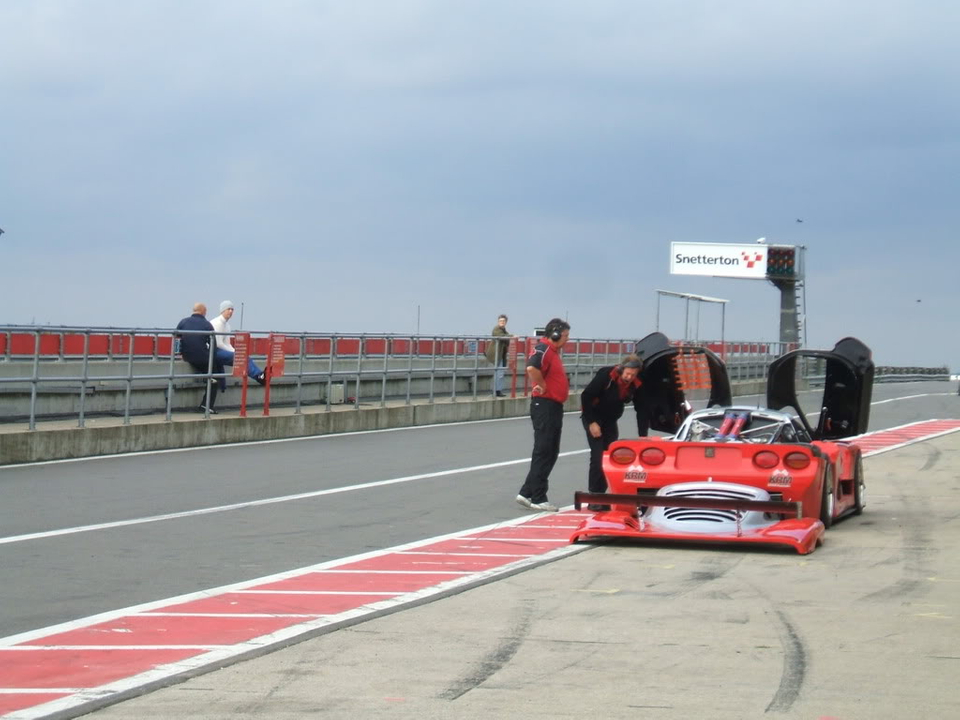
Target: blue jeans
225	357
498	374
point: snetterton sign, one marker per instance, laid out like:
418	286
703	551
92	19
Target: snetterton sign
718	260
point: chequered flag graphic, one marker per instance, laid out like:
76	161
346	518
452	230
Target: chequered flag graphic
757	257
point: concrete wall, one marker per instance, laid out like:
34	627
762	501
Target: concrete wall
55	441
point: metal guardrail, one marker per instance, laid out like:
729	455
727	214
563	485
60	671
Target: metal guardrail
77	365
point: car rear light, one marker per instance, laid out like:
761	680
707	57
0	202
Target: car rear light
766	459
796	460
652	456
622	455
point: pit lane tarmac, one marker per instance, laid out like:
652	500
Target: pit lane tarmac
665	632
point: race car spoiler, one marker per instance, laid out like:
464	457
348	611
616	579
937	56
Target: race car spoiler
772	506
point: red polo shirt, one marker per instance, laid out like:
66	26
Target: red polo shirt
547	360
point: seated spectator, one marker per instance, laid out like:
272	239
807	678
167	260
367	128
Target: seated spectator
225	351
195	349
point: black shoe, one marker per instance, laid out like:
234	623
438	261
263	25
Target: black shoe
598	508
261	378
500	394
203	408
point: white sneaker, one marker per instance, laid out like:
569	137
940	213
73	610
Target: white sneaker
524	501
544	507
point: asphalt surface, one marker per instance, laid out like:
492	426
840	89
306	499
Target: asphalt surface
864	628
781	631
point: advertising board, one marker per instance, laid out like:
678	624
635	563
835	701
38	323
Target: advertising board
719	260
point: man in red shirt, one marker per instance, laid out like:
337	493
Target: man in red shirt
551	387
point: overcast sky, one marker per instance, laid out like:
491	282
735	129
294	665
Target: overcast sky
336	166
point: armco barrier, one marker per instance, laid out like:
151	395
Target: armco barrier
54	373
111	436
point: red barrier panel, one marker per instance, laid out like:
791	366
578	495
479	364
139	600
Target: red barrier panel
99	345
424	347
73	345
144	345
348	346
21	344
120	344
164	345
318	346
375	346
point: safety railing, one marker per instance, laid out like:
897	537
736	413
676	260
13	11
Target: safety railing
75	373
68	372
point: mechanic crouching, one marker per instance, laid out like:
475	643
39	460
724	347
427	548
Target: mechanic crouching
601	406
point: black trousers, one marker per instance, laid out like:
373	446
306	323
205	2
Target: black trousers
547	417
202	368
596	480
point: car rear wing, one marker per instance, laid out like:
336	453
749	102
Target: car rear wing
780	507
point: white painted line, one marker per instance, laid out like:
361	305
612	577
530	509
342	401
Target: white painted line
325	436
468	554
314	592
512	538
880	451
265	501
397	572
221	655
19	648
332	566
231	615
40	691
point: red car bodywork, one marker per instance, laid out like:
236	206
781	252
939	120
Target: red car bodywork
745	488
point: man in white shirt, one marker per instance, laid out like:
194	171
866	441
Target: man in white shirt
224	352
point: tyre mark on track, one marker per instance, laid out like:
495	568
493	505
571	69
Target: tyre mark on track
933	459
497	658
916	541
711	568
794	665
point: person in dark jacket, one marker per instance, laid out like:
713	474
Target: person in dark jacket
496	353
601	406
195	349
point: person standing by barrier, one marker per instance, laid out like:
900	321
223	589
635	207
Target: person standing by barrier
551	388
496	353
225	351
601	406
195	350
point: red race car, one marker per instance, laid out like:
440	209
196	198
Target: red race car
736	473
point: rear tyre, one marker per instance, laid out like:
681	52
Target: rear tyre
859	488
827	498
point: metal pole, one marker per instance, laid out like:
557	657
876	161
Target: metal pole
35	379
126	402
83	381
723	324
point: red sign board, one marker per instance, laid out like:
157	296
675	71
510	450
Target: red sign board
241	347
276	358
512	354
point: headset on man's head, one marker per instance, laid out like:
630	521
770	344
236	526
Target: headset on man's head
554	329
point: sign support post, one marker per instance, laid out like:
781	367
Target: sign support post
275	363
241	358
